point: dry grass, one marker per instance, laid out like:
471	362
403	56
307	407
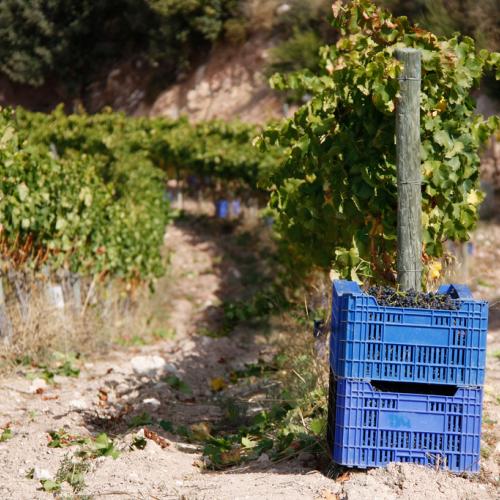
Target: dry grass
305	371
107	319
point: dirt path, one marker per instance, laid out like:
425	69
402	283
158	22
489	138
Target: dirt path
172	381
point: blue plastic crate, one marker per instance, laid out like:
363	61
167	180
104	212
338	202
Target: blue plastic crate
235	208
372	342
222	209
370	428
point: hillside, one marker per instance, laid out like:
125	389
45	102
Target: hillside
209	214
203	58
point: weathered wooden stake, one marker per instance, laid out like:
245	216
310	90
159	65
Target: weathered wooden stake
409	264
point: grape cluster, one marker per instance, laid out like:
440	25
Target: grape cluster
387	296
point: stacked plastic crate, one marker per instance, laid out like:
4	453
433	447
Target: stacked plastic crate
406	385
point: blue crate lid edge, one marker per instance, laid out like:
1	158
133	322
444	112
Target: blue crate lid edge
460	292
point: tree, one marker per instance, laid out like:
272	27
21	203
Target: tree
71	40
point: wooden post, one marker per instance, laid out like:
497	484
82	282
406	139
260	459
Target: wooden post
409	177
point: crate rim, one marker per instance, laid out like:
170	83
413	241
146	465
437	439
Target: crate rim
448	289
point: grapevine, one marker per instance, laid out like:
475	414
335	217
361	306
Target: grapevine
334	194
87	192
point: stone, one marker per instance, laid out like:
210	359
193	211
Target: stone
41	474
169	367
37	385
188	448
152	402
78	404
148	365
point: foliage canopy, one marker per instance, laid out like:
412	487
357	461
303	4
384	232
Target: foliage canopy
72	39
334	194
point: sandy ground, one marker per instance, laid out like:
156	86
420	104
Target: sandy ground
111	390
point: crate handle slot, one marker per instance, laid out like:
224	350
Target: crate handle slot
456	291
414	388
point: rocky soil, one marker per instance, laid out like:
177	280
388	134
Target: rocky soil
131	382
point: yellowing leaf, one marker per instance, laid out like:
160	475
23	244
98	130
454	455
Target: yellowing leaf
230	457
7	136
473	197
435	269
425	219
441	106
217	384
429	168
201	431
23	191
248	443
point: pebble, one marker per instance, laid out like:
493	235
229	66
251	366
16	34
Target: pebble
37	384
206	341
148	365
187	448
122	388
169	367
41	474
188	345
113	381
161	386
151	401
78	404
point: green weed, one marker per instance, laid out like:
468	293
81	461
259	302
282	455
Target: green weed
164	334
101	446
6	435
139	443
177	384
61	439
143	418
73	473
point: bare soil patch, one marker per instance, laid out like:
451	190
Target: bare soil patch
170	381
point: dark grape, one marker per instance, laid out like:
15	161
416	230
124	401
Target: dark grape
387	296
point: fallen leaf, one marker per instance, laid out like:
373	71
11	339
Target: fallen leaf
230	457
153	436
103	395
345	476
201	431
217	384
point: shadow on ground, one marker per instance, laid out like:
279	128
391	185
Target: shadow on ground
220	377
